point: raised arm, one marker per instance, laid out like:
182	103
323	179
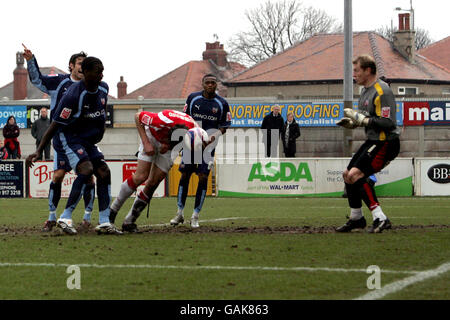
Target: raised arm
46	84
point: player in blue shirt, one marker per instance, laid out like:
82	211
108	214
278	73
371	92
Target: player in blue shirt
78	124
55	86
212	113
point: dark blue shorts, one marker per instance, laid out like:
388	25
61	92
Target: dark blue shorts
194	168
194	165
68	155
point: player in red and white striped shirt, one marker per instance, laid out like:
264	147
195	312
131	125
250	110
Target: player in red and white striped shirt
154	159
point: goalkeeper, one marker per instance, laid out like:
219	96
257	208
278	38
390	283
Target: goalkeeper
377	114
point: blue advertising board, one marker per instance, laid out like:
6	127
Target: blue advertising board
19	112
307	114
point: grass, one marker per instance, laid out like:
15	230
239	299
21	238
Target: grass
233	259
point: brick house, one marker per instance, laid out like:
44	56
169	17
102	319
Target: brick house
179	83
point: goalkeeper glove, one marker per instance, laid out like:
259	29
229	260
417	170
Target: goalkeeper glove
358	118
347	123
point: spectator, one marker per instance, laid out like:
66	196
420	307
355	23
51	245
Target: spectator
3	151
289	135
37	131
11	131
273	121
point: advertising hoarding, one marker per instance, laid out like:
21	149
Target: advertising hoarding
307	114
41	175
304	177
12	182
432	176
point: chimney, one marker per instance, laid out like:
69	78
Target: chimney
20	78
121	88
215	52
404	38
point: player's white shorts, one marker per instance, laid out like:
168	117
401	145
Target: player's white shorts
162	161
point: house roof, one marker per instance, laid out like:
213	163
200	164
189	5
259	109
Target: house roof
186	79
32	91
320	59
439	52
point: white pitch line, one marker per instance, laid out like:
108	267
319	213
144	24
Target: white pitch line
149	266
390	216
211	220
395	206
401	284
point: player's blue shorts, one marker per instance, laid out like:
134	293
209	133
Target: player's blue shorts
68	155
197	168
194	168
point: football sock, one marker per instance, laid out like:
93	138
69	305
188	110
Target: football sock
75	195
183	189
89	196
200	195
87	216
353	195
126	190
139	204
104	198
356	213
377	213
368	195
54	196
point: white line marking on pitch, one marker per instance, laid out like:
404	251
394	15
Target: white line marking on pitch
149	266
211	220
401	284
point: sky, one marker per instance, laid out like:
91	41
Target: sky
143	40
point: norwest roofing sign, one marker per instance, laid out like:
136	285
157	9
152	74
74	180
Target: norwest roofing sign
307	114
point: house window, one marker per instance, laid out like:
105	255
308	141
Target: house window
408	91
446	91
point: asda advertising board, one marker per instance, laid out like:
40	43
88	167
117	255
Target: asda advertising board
303	177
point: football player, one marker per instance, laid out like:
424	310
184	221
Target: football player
212	113
377	114
158	134
78	125
55	86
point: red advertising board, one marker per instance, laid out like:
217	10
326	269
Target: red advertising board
418	113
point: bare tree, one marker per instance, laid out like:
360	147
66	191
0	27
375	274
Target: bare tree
423	38
274	27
